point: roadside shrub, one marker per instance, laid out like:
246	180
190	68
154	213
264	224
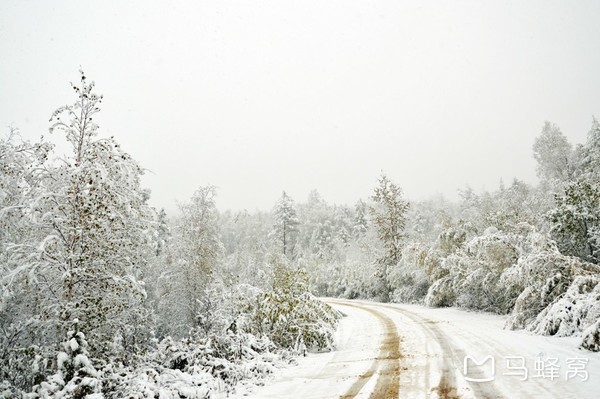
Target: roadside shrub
289	315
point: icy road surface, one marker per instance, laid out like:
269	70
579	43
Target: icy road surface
409	351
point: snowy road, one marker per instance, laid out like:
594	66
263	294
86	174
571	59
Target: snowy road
409	351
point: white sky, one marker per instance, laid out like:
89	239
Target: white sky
256	97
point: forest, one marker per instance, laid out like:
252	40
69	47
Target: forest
103	296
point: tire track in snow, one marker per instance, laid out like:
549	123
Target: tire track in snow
497	348
386	364
452	360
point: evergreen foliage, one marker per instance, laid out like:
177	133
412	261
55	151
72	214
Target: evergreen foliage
285	226
389	217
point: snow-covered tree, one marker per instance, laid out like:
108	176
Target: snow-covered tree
314	227
589	154
198	231
286	224
163	232
510	206
75	377
553	154
361	218
93	235
22	166
576	220
389	217
192	266
246	244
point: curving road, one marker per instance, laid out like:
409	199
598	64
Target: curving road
408	351
431	365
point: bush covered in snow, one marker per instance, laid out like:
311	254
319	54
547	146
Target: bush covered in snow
557	294
289	315
75	375
541	277
472	276
572	312
557	291
194	367
591	337
408	279
441	293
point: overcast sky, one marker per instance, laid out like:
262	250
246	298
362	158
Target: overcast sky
257	97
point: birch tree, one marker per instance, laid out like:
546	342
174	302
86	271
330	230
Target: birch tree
93	236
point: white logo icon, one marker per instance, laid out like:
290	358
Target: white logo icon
478	374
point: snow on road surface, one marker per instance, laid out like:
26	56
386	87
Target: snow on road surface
410	351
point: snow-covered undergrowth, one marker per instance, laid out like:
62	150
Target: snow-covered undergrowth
195	368
75	376
191	368
268	329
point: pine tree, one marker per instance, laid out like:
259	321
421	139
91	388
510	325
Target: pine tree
286	223
75	377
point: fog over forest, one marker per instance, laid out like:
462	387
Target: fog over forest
260	97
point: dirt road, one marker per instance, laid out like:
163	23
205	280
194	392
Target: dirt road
408	351
430	366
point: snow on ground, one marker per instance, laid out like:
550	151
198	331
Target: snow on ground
330	374
532	358
433	344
